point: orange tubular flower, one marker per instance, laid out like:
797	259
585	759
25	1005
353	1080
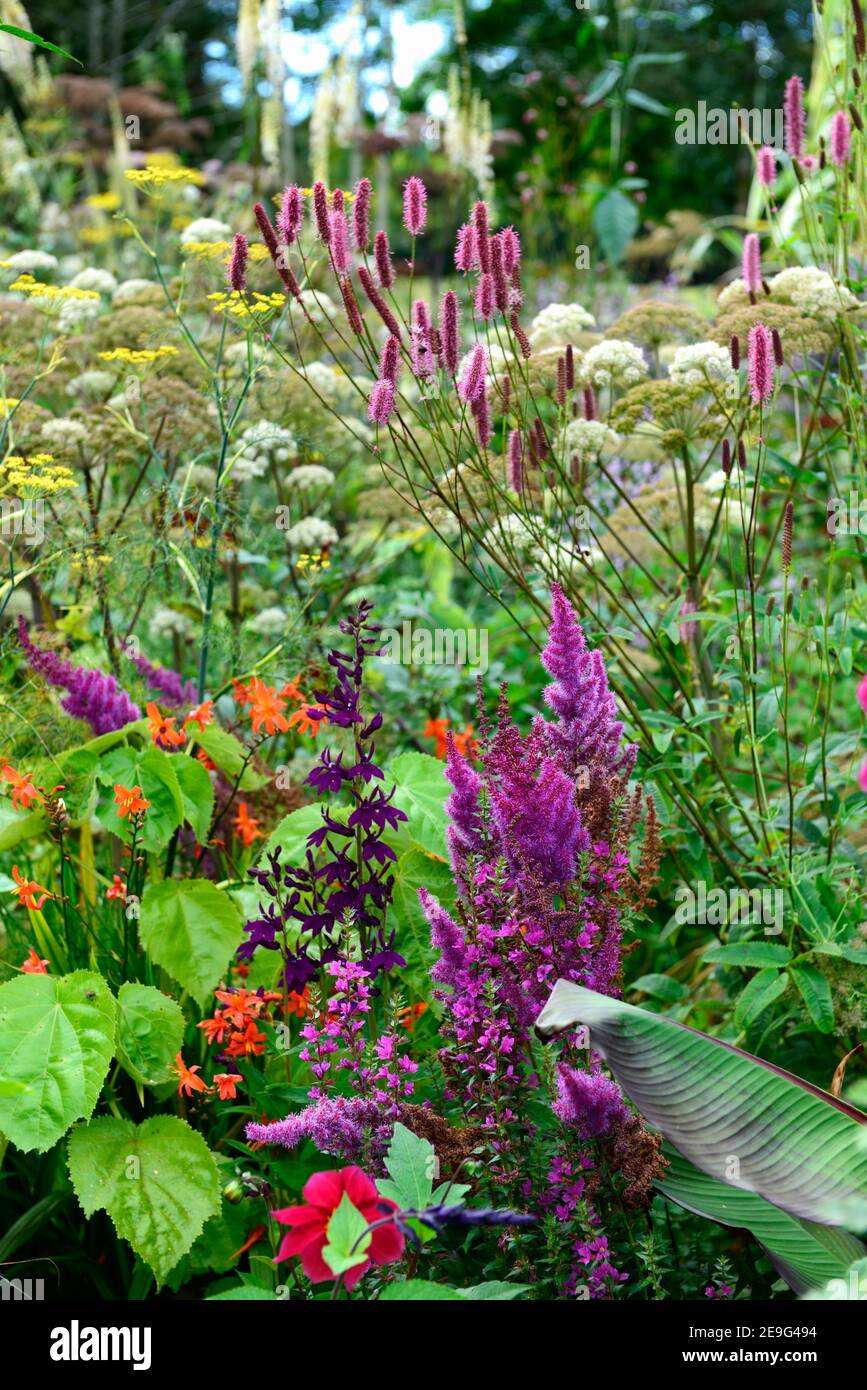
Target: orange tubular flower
266	707
216	1028
117	891
27	890
298	1003
241	692
207	763
437	729
162	730
408	1017
33	965
203	715
302	721
240	1005
250	1043
226	1083
23	790
188	1082
129	800
246	826
290	690
465	743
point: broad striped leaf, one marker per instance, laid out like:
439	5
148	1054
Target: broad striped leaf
807	1255
736	1117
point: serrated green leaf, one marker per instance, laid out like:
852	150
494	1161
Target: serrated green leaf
197	794
158	1182
192	930
348	1238
411	1166
150	1032
816	994
229	754
153	771
421	793
758	995
57	1039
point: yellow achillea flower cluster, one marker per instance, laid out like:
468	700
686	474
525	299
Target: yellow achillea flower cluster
103	202
234	303
156	176
312	563
210	250
8	404
36	473
26	284
138	357
88	561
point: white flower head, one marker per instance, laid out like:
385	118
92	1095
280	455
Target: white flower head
693	364
309	475
559	324
29	262
310	535
270	622
206	229
614	362
588	440
92	278
813	291
166	622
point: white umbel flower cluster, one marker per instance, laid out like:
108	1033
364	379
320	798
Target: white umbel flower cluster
270	622
311	534
29	262
165	622
93	383
559	324
695	363
309	476
812	291
615	362
92	278
588	440
259	445
75	313
63	434
205	229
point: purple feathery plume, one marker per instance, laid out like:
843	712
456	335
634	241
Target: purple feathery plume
466	832
466	252
484	301
588	1102
381	403
539	822
511	244
446	937
178	692
472	383
93	696
338	1125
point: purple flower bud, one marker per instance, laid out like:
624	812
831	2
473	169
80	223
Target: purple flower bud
236	273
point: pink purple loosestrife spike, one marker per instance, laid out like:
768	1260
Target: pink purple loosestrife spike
414	205
841	139
795	125
93	696
759	360
168	683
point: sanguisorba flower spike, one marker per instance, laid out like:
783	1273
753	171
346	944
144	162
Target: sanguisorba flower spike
759	364
795	125
414	205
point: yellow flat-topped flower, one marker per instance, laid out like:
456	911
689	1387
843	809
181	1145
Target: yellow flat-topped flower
35	473
138	356
26	284
157	176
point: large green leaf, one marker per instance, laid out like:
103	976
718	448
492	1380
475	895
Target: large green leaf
229	755
152	770
421	793
16	826
197	794
807	1255
192	930
158	1182
150	1032
615	221
57	1039
736	1117
413	870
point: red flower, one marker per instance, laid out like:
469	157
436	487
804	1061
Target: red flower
249	1043
226	1083
162	729
323	1194
246	825
203	715
188	1081
117	890
33	965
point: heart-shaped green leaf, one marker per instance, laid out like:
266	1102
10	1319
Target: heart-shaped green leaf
150	1031
192	930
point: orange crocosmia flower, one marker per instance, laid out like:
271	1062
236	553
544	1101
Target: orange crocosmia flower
303	721
33	965
216	1028
298	1003
226	1083
117	891
246	825
241	692
162	729
23	790
207	763
27	890
249	1043
266	708
409	1016
241	1005
203	715
253	1239
129	800
290	690
465	743
188	1082
437	729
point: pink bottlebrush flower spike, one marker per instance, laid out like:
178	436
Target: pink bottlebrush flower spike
480	222
472	383
511	250
389	361
795	122
465	248
382	256
381	403
320	212
484	301
515	469
766	166
414	205
752	263
290	214
361	214
841	139
236	273
340	242
449	334
759	360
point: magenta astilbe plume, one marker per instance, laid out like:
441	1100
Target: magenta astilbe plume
291	213
539	822
760	352
381	403
588	728
340	241
382	256
588	1102
466	254
414	205
480	223
449	336
511	243
472	381
446	937
795	120
236	272
361	215
463	808
320	212
177	691
752	263
766	166
840	143
338	1125
93	696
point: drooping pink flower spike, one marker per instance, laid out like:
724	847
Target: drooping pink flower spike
752	263
760	363
766	166
841	139
795	122
414	205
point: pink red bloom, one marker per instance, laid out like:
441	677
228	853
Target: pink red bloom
841	139
308	1235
